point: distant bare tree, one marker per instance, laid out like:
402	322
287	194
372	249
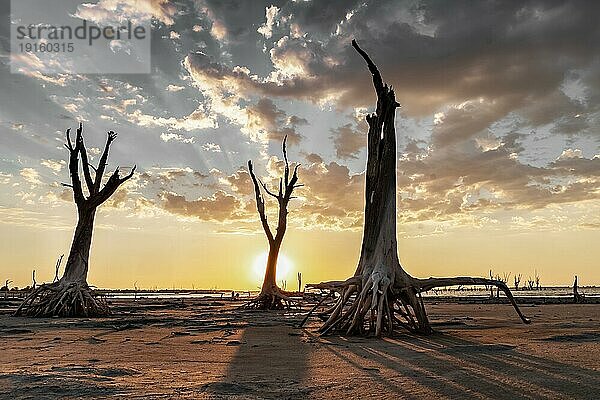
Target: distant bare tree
530	283
71	295
271	296
517	281
577	297
381	294
5	287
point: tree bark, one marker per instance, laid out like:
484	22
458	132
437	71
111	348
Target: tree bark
76	269
382	295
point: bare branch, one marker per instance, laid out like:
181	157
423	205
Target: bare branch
84	160
74	170
128	176
377	81
260	204
267	189
111	186
287	164
111	136
69	145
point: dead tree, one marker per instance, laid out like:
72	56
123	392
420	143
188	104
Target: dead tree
517	281
530	283
5	287
33	285
271	296
71	295
382	295
577	297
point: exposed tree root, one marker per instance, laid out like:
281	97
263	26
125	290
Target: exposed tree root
275	299
378	306
63	299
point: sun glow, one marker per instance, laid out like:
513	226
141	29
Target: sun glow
284	266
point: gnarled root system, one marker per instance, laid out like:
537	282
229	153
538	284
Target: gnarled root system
63	299
376	305
274	299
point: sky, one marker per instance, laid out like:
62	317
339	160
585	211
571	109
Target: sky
498	141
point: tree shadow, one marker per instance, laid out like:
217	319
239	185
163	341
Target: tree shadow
446	366
270	362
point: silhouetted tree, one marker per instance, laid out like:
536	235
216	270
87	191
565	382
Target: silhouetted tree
517	281
577	297
271	296
71	295
5	288
381	295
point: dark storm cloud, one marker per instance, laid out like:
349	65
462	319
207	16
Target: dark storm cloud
348	141
435	53
264	115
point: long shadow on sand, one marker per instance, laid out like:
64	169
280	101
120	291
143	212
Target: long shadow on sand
445	366
264	368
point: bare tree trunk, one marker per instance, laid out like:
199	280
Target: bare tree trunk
270	283
78	261
71	295
381	295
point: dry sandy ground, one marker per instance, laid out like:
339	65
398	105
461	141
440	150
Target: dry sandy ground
215	352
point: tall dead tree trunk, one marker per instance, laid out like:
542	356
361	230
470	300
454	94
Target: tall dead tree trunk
381	295
71	295
271	296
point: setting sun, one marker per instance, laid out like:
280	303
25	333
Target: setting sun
284	266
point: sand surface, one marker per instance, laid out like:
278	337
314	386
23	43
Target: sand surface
211	350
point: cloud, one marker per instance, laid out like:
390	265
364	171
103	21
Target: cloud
198	119
167	137
570	153
449	182
266	29
118	10
218	207
55	166
175	88
348	142
212	147
5	178
30	175
265	119
239	182
437	56
227	92
466	120
169	177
